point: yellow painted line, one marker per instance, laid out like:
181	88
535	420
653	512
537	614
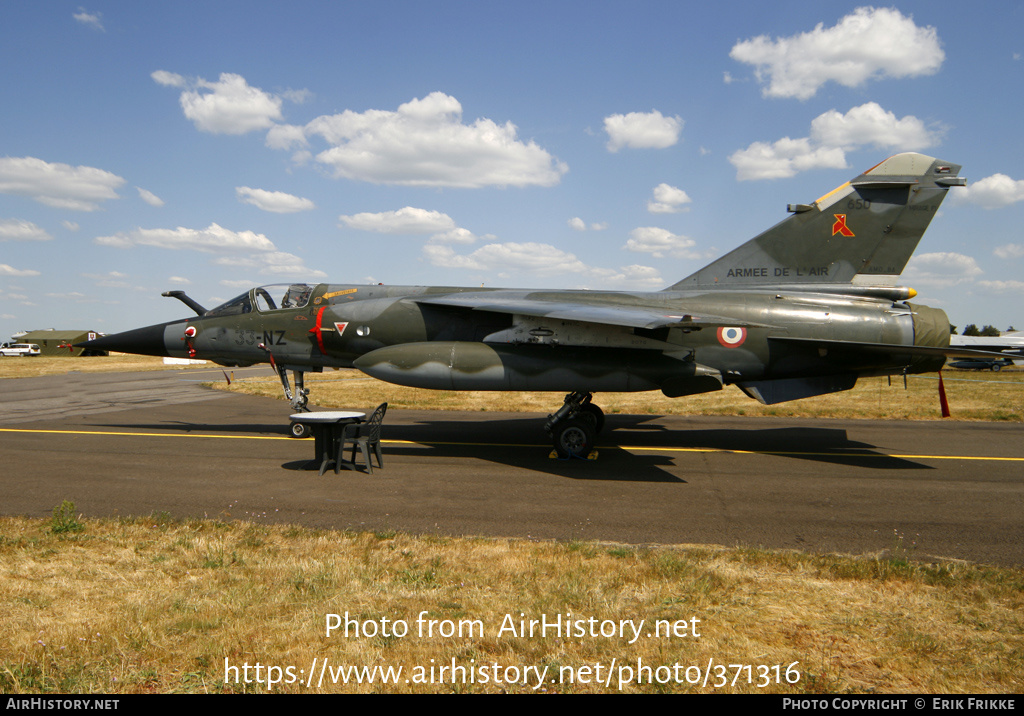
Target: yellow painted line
958	457
823	454
146	435
631	448
838	188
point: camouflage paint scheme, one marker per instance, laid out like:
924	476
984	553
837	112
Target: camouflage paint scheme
792	313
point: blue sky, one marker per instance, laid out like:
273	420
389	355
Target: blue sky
213	146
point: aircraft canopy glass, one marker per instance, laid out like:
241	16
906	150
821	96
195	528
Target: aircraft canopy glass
274	297
236	306
292	295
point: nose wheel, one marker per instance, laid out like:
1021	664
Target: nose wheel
575	426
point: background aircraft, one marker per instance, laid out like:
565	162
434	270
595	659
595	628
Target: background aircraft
799	310
1011	345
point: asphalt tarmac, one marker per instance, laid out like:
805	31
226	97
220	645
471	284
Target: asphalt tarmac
138	443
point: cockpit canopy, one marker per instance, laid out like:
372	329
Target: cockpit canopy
274	297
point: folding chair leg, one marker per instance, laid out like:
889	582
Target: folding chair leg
339	458
366	456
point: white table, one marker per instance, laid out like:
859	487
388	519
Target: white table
327	426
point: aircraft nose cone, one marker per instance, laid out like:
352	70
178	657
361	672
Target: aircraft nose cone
148	341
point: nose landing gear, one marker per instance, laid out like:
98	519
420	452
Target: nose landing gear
299	399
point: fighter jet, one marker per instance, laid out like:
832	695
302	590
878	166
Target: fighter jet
799	310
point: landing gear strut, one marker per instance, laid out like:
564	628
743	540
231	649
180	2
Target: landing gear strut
298	399
301	395
574	427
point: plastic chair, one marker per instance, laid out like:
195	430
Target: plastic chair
366	437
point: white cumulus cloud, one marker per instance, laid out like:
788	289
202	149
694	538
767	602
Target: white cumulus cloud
633	276
578	224
992	192
642	130
832	134
784	158
272	263
21	230
668	200
869	43
941	269
277	202
168	79
1009	251
212	239
869	124
244	249
529	257
1003	286
58	185
661	243
8	270
425	143
536	259
228	106
286	136
89	19
407	220
455	236
149	197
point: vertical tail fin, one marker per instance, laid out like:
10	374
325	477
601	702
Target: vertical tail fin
870	225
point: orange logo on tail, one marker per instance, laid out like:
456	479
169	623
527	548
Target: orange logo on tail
840	226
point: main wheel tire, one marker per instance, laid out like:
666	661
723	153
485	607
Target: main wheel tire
598	415
574	437
300	431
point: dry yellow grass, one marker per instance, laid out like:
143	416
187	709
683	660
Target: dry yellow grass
50	365
154	605
971	395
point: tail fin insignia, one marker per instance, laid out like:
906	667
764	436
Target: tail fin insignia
868	226
840	227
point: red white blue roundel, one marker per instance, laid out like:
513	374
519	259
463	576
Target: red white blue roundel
732	337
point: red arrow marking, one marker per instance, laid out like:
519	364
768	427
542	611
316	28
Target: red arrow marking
317	330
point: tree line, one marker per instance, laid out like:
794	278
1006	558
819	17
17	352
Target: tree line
972	330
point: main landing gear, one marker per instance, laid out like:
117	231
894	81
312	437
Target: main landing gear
574	427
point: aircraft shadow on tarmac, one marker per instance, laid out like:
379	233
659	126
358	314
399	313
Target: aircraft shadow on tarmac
622	447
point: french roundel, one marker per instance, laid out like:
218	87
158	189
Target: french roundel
731	336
